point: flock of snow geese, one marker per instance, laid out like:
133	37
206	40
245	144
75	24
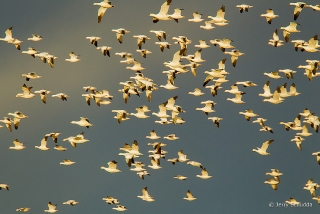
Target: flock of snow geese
140	83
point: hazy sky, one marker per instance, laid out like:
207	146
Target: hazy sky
237	186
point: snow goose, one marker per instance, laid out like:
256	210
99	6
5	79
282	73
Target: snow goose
93	40
283	91
209	104
153	135
196	17
197	57
163	45
234	56
54	136
269	15
169	86
31	75
207	26
189	197
263	149
275	173
220	16
62	96
26	92
216	120
31	51
120	208
163	121
163	13
273	75
155	164
83	122
8	37
119	33
121	115
312	45
274	183
140	113
17	116
7	121
141	39
237	98
60	148
248	114
244	7
292	202
144	52
204	174
223	44
180	177
171	137
265	128
51	208
112	167
197	92
176	15
16	43
136	67
159	34
293	90
104	5
266	89
70	202
35	38
138	167
4	186
234	90
317	154
111	200
23	209
43	145
73	57
177	120
288	72
202	44
105	50
298	140
145	195
275	41
314	7
43	95
259	120
297	9
67	162
195	163
305	131
77	139
296	124
291	28
182	157
275	99
246	84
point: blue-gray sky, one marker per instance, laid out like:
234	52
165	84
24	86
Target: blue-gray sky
36	177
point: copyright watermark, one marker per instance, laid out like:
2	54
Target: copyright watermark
286	205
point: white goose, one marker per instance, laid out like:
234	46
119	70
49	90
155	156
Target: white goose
298	140
237	98
105	50
35	38
263	149
189	197
31	75
219	18
269	15
145	195
43	145
26	92
7	121
176	15
244	7
204	174
93	40
275	99
112	167
104	5
153	135
83	122
8	37
196	17
67	162
73	57
163	13
248	114
52	208
266	90
216	120
17	145
234	56
159	34
197	92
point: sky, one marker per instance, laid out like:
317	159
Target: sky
35	177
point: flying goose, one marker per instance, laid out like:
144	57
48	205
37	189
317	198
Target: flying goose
237	98
311	47
204	174
105	50
263	149
77	139
275	41
93	40
67	162
119	33
4	186
196	17
43	95
159	34
70	202
111	200
292	201
216	120
163	45
202	44
26	92
31	75
176	15
269	15
297	9
62	96
244	7
17	145
163	13
305	131
171	137
51	208
197	92
275	99
23	209
7	121
112	167
288	72
54	136
155	164
121	115
104	5
223	44
207	26
141	39
219	18
234	56
275	173
291	28
8	37
189	197
120	208
73	57
273	183
83	122
35	38
43	145
298	141
31	51
180	177
153	135
248	114
60	148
